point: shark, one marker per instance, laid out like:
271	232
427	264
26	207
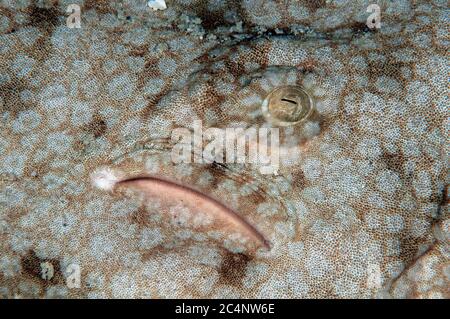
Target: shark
93	206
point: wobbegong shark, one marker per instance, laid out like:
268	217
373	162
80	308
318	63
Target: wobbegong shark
93	206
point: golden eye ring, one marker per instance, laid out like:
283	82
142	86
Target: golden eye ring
287	106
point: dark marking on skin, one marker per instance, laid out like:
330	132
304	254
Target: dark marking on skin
204	59
308	66
150	67
445	199
384	68
150	70
361	27
153	100
410	246
256	197
389	68
299	180
42	47
394	162
210	99
45	19
101	6
234	68
31	266
139	51
214	164
233	267
36	170
10	94
216	176
211	19
221	172
218	172
443	202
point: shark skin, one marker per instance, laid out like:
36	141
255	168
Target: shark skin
358	207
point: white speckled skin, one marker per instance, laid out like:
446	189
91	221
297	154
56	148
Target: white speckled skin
362	185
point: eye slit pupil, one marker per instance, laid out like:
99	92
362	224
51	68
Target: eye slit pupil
287	105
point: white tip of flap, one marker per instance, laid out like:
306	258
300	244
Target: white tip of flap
104	178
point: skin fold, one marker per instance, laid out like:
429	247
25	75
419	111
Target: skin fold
359	208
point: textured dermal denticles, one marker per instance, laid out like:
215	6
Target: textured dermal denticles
355	202
287	106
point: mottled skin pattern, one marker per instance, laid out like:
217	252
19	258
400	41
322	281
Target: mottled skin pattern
362	184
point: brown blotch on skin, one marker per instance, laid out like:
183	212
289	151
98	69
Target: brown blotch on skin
150	68
10	94
394	162
218	173
31	266
211	20
140	217
298	179
409	247
445	198
97	126
101	6
45	19
233	267
307	66
313	5
139	51
234	68
256	197
153	100
204	59
387	68
361	27
36	170
211	99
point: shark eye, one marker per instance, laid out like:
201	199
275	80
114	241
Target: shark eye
288	105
